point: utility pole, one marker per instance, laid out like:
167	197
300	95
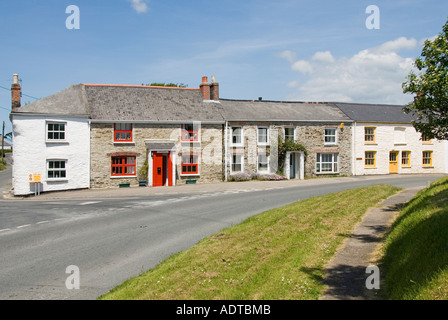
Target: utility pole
3	142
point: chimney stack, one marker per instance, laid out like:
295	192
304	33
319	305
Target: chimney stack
214	89
205	89
16	93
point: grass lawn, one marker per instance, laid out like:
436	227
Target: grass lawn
415	253
278	254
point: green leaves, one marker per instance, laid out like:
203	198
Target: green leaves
430	87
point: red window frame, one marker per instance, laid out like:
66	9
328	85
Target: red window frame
188	133
190	164
120	132
123	166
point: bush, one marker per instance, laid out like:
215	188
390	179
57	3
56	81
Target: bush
243	176
240	176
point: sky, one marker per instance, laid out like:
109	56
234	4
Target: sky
285	50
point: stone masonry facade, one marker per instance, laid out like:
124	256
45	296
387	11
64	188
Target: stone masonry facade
209	149
310	135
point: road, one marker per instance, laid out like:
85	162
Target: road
111	240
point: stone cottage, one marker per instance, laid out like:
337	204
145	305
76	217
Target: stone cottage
105	136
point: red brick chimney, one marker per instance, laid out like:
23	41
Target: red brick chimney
205	88
16	93
214	89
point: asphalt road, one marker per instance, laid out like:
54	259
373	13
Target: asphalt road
111	240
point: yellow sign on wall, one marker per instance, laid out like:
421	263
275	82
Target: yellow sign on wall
35	177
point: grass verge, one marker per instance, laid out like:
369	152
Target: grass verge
414	257
278	254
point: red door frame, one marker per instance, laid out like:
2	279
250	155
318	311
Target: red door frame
162	165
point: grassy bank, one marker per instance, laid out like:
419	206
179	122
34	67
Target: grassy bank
415	253
279	254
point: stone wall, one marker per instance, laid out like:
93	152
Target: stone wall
311	135
102	146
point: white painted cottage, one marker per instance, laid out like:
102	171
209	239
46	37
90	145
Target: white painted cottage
385	142
52	140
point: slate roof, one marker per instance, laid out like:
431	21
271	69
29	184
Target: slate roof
246	110
144	103
375	113
70	101
130	103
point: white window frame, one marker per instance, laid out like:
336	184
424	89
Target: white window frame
53	170
47	131
263	143
241	156
267	163
241	136
333	162
293	133
335	136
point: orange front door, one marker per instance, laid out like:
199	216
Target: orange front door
393	162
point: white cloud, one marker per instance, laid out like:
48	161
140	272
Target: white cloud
323	57
302	66
139	5
288	55
372	75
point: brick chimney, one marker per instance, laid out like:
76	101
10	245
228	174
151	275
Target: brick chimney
214	89
16	93
205	89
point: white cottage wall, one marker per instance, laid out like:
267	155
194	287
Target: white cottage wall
31	153
396	137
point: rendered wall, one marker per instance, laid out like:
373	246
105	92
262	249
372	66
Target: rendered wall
31	152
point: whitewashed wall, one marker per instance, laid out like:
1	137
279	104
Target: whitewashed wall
31	152
385	142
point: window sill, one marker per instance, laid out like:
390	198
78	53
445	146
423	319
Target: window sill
56	141
327	172
370	168
371	143
56	180
189	174
330	144
123	177
125	142
428	167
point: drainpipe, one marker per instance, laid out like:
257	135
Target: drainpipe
354	149
225	150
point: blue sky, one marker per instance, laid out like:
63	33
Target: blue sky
279	50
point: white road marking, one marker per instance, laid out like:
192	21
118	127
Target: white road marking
89	202
23	226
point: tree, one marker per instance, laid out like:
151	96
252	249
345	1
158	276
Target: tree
430	87
163	84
